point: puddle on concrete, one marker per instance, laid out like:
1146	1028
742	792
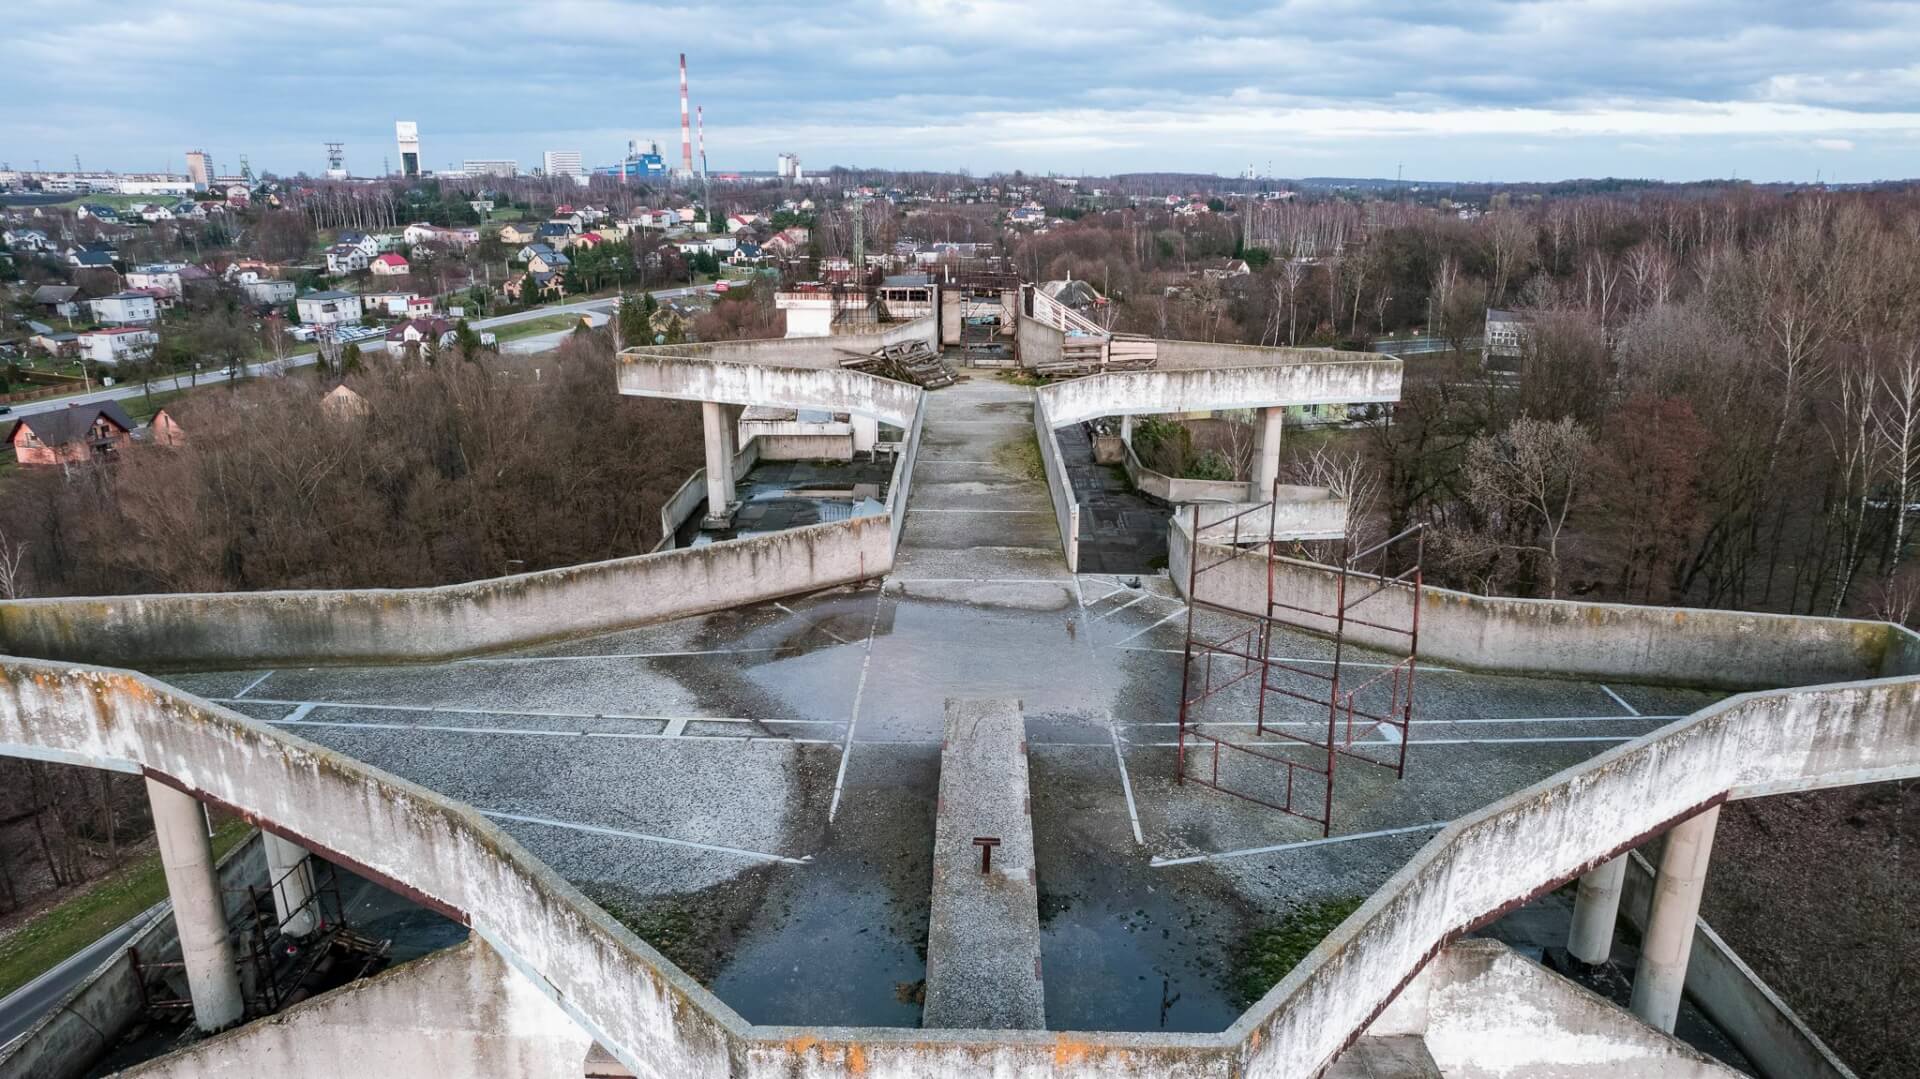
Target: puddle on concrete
1137	957
827	956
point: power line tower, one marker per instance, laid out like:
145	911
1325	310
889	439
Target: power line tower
336	161
859	240
246	171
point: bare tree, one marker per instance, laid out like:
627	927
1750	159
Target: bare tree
13	556
1526	481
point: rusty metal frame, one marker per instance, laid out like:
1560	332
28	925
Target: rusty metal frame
1351	712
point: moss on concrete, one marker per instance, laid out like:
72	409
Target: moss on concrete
1270	953
1021	456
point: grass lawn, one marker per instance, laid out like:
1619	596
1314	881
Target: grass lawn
82	919
534	327
143	406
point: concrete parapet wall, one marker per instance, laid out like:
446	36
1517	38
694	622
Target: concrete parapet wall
660	1023
645	373
901	484
1481	1010
1550	833
1673	645
1766	1031
1299	513
1181	354
1066	511
461	1013
1037	342
1324	380
1181	491
238	629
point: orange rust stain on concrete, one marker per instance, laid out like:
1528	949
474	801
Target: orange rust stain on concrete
1067	1051
801	1044
856	1060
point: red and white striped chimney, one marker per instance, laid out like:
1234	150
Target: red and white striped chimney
700	122
686	132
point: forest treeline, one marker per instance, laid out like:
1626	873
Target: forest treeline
449	471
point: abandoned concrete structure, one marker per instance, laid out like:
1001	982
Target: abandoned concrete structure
921	728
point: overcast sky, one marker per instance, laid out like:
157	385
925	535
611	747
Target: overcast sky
1451	89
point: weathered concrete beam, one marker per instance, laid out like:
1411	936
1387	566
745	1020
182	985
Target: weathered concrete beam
1157	390
983	933
644	374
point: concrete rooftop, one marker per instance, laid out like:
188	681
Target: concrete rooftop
754	789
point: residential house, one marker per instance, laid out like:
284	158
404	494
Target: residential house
422	233
391	304
346	259
554	233
57	345
26	240
341	403
70	435
746	254
58	299
162	430
549	262
418	335
366	244
786	244
528	251
518	233
81	259
128	308
544	284
1222	268
389	265
268	291
168	279
736	222
588	239
118	345
658	220
329	308
97	212
565	215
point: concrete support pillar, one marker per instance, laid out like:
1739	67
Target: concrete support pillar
719	438
1126	428
1266	454
866	433
1595	908
290	875
186	854
1668	940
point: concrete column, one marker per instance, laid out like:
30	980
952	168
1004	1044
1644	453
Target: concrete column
719	438
186	854
1126	428
290	875
866	433
1595	907
1266	454
1668	939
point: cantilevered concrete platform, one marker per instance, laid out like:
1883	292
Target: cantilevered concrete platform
983	939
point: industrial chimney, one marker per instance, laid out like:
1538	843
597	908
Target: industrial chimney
686	130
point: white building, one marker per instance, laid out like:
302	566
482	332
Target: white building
1506	335
122	344
328	308
125	309
406	135
268	291
490	168
562	163
789	167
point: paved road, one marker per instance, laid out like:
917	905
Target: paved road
593	308
24	1006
